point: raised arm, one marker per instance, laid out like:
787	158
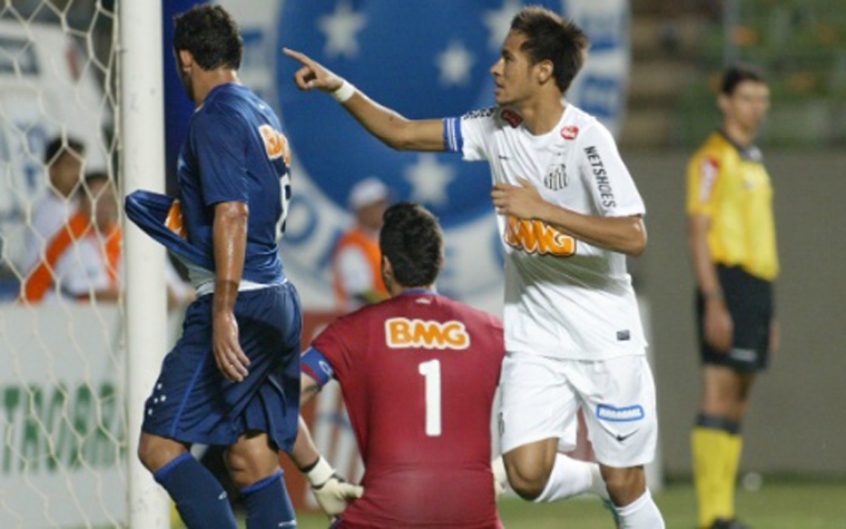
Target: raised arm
389	126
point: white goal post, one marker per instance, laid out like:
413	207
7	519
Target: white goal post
143	167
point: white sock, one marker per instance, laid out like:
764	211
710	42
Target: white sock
571	477
641	514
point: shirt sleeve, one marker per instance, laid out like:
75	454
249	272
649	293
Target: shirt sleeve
334	346
703	172
315	365
613	189
221	151
470	134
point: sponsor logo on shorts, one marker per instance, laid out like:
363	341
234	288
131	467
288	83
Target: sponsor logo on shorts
743	355
401	333
624	335
621	437
626	414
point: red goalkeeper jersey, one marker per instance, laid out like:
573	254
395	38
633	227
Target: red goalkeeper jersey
418	373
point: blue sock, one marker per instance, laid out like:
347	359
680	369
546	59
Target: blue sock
268	504
199	497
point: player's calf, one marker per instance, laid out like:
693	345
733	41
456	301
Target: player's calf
624	485
253	463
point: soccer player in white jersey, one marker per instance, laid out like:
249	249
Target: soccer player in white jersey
569	213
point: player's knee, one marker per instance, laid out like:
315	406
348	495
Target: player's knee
248	463
527	479
156	452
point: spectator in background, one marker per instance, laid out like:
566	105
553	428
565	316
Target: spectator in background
733	246
82	259
64	158
356	262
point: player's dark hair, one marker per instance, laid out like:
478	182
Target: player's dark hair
211	35
412	240
62	145
738	73
552	38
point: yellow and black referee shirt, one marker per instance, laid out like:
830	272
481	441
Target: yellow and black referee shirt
729	184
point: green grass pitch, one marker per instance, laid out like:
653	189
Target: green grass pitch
782	504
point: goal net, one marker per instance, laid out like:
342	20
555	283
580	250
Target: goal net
63	422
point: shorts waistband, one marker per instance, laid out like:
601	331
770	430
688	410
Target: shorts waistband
244	286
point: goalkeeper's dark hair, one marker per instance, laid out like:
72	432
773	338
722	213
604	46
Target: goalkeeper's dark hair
552	38
738	73
413	242
61	146
211	35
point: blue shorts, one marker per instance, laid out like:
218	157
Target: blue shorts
193	402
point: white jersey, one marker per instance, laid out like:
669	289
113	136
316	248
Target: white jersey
563	298
49	213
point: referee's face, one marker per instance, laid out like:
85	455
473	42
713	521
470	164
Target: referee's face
747	105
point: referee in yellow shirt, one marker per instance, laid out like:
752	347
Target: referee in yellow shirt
732	242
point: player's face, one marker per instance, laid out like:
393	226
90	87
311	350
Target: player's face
513	72
747	105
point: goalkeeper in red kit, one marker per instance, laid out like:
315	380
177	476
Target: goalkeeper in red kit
418	374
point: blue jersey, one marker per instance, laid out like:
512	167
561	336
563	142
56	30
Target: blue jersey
235	151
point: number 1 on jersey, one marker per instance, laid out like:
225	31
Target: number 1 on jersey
431	371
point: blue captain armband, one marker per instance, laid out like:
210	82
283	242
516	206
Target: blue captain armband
315	365
453	140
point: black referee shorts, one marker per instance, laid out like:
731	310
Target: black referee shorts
750	303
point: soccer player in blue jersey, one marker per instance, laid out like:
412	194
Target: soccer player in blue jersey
233	378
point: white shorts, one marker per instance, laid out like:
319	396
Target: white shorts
541	397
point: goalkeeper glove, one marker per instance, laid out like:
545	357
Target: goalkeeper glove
331	491
500	477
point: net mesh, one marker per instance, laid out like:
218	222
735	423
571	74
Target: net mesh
62	420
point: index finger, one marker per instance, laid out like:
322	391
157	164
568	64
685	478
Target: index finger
294	54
